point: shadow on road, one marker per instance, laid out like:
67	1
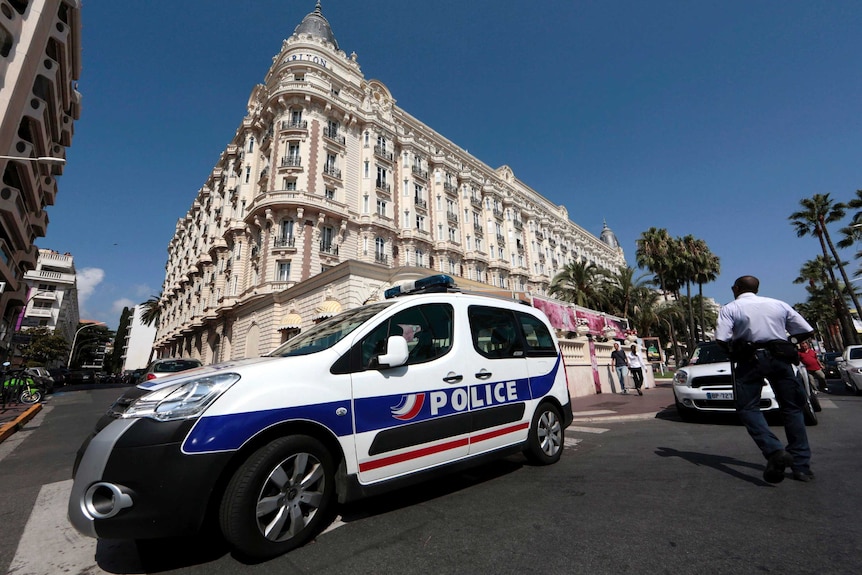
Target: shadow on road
718	462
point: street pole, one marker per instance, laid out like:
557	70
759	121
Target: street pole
75	339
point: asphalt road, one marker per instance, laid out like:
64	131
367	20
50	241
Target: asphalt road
655	496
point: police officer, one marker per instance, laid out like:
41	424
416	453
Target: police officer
754	330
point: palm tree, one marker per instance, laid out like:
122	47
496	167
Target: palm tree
655	252
580	283
623	291
708	269
151	311
853	232
817	212
818	309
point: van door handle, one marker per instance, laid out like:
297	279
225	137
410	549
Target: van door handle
452	377
484	374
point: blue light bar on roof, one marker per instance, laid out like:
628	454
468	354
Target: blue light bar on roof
440	282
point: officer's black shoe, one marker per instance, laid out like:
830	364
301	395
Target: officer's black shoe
804	476
774	472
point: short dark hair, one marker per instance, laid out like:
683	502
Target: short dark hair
745	284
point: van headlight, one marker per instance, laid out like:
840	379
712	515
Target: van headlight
183	400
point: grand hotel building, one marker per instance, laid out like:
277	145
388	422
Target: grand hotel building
327	195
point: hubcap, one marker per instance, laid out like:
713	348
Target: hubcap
290	497
550	433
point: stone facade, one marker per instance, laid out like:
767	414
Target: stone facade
40	62
327	194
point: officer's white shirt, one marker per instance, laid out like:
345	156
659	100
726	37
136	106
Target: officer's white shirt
751	317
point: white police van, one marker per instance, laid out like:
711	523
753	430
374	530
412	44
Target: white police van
373	398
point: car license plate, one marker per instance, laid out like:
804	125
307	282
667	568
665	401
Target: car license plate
719	395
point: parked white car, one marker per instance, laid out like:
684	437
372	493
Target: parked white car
850	367
374	398
705	384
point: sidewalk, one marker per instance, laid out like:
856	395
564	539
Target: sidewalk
618	407
14	415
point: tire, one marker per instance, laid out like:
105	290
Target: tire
808	413
815	402
30	395
545	441
280	498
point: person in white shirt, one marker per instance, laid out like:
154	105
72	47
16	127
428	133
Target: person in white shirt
754	330
636	367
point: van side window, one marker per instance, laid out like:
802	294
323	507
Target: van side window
495	333
540	342
427	328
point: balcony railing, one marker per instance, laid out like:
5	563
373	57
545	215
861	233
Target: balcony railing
452	217
329	248
332	134
477	229
284	242
294	125
476	202
501	240
381	258
381	152
383	186
420	203
291	162
417	171
450	187
519	225
332	172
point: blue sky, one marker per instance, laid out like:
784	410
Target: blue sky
706	118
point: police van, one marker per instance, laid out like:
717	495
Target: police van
429	380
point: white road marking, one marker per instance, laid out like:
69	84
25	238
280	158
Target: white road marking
827	403
571	441
587	429
594	412
67	550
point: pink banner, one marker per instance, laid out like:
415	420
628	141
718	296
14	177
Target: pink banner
561	316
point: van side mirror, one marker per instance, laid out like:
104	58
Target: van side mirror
396	352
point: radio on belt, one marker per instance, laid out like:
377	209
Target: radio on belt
430	284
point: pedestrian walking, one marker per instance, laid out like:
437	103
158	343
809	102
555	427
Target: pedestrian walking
812	365
636	367
620	365
754	331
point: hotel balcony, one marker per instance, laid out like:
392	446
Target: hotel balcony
334	136
332	172
381	153
420	173
294	126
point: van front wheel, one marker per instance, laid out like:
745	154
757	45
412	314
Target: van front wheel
545	442
280	498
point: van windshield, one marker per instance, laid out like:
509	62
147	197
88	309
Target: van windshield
330	332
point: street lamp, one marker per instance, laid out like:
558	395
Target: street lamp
75	339
41	159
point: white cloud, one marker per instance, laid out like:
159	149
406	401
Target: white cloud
88	279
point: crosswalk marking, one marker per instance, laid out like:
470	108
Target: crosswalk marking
827	403
594	412
571	441
587	429
48	528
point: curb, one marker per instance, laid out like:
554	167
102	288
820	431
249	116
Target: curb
9	428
